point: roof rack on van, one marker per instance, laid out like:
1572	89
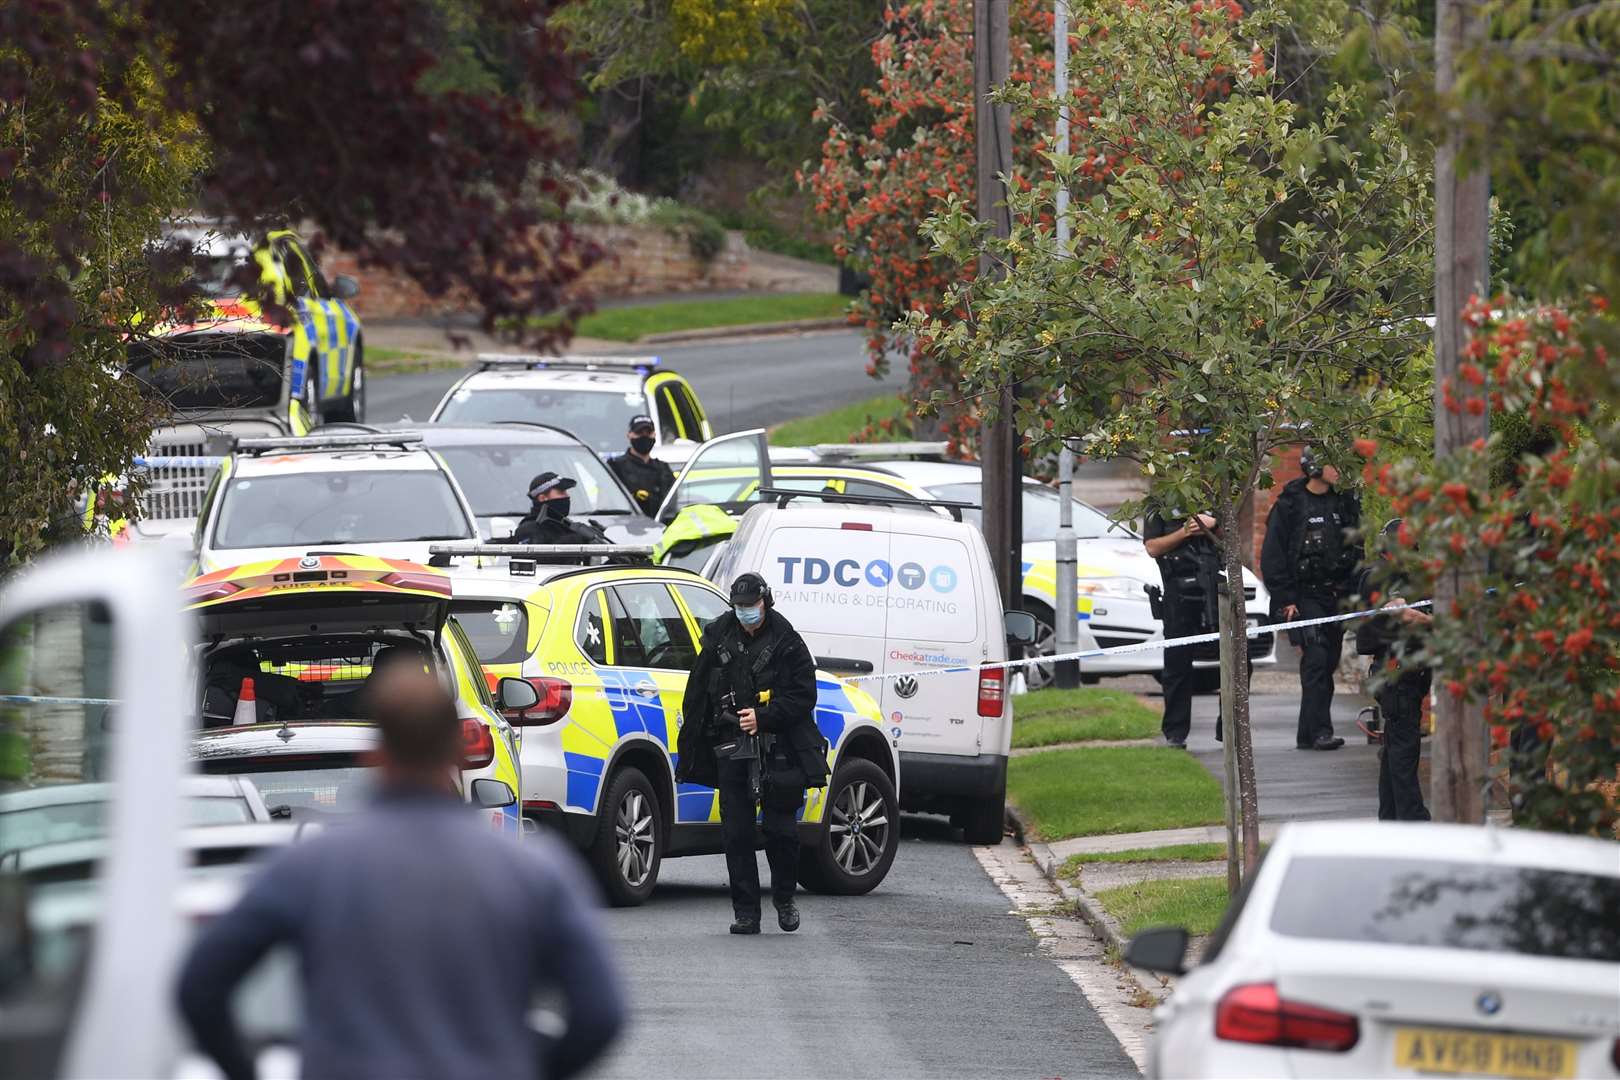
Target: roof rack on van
535	361
524	556
784	496
879	451
399	440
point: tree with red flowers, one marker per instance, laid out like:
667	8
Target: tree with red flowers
1537	637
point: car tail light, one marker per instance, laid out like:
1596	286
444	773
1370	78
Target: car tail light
477	744
1614	1055
214	590
992	691
556	698
422	582
539	804
1255	1013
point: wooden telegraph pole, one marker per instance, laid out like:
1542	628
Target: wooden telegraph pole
992	131
1461	269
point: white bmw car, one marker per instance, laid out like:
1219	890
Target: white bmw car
1373	950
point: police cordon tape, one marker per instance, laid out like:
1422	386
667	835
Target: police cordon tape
1140	646
45	699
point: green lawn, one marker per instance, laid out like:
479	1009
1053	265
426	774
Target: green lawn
838	425
380	360
1112	789
632	323
1170	853
1194	903
1046	717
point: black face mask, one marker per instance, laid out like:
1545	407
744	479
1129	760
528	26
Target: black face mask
556	509
642	444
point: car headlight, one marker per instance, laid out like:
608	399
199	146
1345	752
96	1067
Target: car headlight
1122	588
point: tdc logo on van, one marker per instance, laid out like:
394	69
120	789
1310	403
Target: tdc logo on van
877	573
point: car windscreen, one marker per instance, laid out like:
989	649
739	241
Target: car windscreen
212	371
64	822
495	479
311	787
1041	508
361	507
1438	903
498	629
597	418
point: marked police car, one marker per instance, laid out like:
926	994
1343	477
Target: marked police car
608	649
350	494
908	601
592	396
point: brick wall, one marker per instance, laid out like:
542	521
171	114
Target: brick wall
1285	467
639	262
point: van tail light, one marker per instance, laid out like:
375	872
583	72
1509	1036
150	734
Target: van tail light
1614	1055
556	698
477	744
992	691
1254	1013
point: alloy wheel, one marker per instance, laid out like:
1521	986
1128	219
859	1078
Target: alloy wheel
859	828
633	829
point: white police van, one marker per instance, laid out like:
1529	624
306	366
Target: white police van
898	590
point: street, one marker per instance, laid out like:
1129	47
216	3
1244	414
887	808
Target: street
753	382
929	975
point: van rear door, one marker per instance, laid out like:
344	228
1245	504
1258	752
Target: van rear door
832	581
935	621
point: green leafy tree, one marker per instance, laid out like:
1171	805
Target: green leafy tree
1170	311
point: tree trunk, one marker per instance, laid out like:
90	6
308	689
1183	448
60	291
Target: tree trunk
1235	695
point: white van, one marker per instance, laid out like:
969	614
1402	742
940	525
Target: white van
876	588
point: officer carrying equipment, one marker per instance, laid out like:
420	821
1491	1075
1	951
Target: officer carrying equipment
1190	567
1401	687
548	521
1309	562
749	730
648	478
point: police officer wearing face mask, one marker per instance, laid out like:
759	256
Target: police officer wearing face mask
1309	562
548	521
749	730
648	478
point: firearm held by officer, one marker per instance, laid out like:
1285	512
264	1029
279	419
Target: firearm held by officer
749	730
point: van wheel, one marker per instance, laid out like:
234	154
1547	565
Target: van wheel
862	832
629	843
984	821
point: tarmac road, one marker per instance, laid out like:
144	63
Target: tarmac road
752	382
930	975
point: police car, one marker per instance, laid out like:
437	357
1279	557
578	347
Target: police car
354	494
592	396
286	649
608	649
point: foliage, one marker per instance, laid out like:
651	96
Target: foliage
303	111
1045	717
1124	789
1537	637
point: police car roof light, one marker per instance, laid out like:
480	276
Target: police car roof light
567	363
784	496
522	555
879	451
399	440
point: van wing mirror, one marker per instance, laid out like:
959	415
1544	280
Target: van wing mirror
1162	949
1020	626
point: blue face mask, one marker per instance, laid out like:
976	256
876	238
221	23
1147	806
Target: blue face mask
750	616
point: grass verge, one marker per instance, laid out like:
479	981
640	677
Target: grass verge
1092	791
1171	853
381	361
1046	717
838	425
633	323
1194	903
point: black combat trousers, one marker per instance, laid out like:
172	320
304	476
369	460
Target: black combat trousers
778	815
1400	796
1177	680
1320	651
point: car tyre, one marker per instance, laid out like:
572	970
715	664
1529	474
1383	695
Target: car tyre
629	844
850	860
984	821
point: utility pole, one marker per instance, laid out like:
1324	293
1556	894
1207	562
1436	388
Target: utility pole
1068	638
992	130
1461	269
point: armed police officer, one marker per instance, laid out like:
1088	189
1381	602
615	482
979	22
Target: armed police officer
1309	562
749	730
1403	684
1189	566
648	478
547	521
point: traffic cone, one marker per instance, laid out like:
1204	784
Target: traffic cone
247	706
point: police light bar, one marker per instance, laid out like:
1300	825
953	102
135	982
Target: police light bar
534	361
530	551
402	440
783	496
879	450
159	462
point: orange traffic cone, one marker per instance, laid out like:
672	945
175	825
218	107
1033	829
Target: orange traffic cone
247	706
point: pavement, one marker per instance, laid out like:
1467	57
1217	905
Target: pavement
929	975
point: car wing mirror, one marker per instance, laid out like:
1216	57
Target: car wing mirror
516	695
345	287
492	794
1020	627
1162	949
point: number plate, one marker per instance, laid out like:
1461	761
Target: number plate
1479	1053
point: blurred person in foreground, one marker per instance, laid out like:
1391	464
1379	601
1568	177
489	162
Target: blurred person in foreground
422	937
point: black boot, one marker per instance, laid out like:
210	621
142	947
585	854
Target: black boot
787	915
745	924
